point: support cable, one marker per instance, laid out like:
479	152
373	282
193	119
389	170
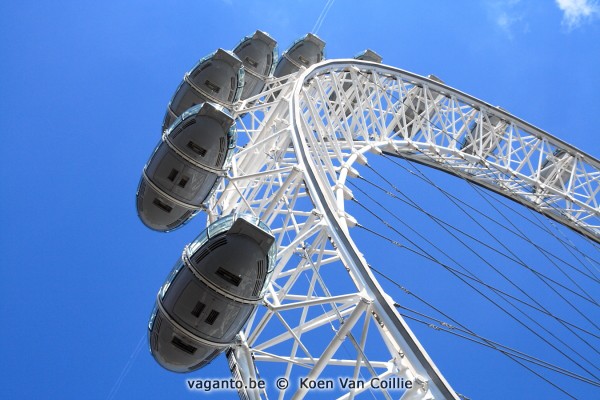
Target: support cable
537	273
488	286
487	342
507	351
421	252
485	193
517	259
569	246
506	278
444	225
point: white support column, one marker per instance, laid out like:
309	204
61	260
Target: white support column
337	341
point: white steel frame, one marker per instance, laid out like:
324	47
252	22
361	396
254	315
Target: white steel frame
298	142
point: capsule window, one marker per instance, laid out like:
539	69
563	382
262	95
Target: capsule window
212	317
222	241
208	64
201	255
252	62
303	60
201	151
181	219
183	181
260	277
232	91
198	309
172	175
187	348
228	276
188	123
157	323
207	360
154	341
212	86
163	206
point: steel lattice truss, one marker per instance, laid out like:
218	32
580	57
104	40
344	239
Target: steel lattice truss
298	141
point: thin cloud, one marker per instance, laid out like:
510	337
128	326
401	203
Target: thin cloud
506	21
577	12
509	16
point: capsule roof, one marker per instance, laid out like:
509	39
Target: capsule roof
304	52
218	78
435	78
259	60
369	55
214	66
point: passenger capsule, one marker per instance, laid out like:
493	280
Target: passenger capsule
211	292
185	167
258	53
304	52
484	137
369	55
557	170
216	78
413	105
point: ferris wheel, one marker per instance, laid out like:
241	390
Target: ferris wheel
291	138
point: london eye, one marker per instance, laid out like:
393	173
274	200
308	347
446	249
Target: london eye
308	153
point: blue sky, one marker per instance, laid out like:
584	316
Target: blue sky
83	92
